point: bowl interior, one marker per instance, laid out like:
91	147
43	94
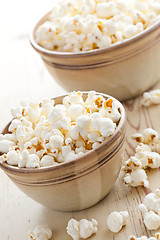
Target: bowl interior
79	165
114	47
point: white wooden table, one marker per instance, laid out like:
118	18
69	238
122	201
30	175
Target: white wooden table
23	75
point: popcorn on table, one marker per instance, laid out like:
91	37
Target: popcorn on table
40	233
46	134
151	97
147	154
83	25
116	220
82	229
151	210
157	237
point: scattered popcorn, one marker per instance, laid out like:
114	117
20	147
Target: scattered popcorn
58	133
116	220
147	155
152	220
148	136
82	229
151	97
157	237
136	178
152	201
40	233
151	210
75	26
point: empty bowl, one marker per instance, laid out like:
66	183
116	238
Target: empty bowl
77	184
123	70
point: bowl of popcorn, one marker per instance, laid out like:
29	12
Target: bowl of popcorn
66	152
110	46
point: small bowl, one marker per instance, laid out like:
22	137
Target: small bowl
77	184
123	70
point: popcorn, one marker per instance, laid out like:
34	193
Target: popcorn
95	145
59	133
24	133
152	220
75	111
96	124
90	24
5	145
47	160
82	229
116	220
83	121
56	141
14	124
79	143
62	123
73	98
47	105
107	127
157	237
149	135
12	157
68	141
132	163
130	31
40	233
151	97
151	210
33	113
93	136
8	136
106	9
23	159
57	113
147	155
136	178
152	201
33	161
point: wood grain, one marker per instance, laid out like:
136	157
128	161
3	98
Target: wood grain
22	74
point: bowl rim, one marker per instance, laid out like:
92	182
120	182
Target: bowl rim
116	46
108	141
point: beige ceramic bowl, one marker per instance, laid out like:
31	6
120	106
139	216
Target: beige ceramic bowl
78	184
124	70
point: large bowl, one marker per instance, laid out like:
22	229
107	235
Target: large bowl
78	184
124	70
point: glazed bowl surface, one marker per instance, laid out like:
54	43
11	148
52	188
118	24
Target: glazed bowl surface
77	184
123	70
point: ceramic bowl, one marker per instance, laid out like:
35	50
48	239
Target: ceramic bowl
124	70
77	184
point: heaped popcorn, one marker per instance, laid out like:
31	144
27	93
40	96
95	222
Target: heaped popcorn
151	210
40	233
116	220
58	133
147	154
75	26
82	229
